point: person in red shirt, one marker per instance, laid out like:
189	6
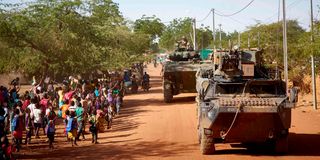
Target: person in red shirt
26	102
44	101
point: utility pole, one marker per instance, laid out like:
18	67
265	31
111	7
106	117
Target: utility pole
314	89
311	23
239	39
259	40
220	45
202	45
285	48
248	41
194	34
213	30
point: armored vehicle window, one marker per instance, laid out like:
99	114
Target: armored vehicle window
230	88
266	89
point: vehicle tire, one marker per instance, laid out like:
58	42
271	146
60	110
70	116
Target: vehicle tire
167	94
206	144
281	145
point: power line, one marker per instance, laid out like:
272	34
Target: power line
229	15
245	7
267	20
205	17
237	21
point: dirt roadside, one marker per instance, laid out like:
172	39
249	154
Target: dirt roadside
147	128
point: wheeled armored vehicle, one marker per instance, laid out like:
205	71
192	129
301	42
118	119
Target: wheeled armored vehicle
241	101
179	72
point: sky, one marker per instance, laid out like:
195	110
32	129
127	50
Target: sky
263	11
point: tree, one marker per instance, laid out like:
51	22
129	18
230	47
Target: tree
204	38
179	28
174	31
65	37
151	26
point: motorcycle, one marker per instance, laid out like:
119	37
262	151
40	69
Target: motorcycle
127	87
145	86
134	87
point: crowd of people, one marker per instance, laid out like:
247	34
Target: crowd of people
77	102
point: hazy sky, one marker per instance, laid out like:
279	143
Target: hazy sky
260	10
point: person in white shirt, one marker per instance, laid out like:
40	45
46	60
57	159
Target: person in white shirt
32	106
37	119
6	117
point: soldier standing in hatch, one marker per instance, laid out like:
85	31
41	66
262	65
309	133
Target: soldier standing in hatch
183	43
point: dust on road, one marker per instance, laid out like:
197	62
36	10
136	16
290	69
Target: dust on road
148	128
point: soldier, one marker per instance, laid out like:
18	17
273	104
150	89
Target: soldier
183	43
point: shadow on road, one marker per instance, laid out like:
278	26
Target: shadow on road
304	144
151	91
299	145
156	83
188	99
181	101
112	150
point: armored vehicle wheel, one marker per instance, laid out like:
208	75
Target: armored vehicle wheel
167	94
207	144
281	145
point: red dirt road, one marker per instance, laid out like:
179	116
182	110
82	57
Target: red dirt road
147	128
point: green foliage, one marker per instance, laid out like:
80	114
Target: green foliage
204	38
183	27
151	26
174	31
66	37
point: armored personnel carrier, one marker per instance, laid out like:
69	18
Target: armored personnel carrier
239	100
179	71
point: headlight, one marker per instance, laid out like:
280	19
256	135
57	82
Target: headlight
205	84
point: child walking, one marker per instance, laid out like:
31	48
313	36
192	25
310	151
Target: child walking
50	132
118	103
37	119
72	129
17	128
51	115
29	126
94	127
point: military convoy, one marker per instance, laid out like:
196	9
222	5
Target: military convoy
240	100
179	71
